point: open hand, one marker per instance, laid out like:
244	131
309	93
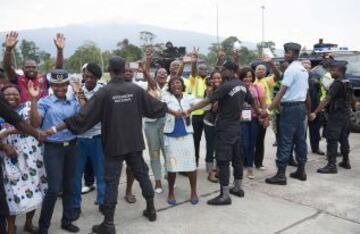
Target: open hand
220	55
59	41
149	52
11	40
33	91
194	55
235	54
266	58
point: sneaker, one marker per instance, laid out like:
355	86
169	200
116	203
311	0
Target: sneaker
87	189
250	174
158	190
262	168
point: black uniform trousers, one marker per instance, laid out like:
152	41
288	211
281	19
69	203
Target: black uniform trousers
4	210
89	176
259	148
314	132
337	130
198	126
228	149
113	166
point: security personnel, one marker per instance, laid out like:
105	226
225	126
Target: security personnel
338	103
231	96
120	107
291	98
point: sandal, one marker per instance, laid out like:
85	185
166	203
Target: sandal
130	198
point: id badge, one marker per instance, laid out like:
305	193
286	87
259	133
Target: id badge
246	115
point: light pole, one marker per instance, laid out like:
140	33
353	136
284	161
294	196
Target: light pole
217	25
262	27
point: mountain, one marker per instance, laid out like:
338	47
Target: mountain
106	36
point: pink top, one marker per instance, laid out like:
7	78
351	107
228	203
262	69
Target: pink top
256	93
40	82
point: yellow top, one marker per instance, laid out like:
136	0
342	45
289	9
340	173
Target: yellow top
266	83
198	88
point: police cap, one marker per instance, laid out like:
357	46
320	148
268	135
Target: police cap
292	46
59	76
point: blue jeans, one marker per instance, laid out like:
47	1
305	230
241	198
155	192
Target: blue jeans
89	150
291	133
249	132
60	168
154	132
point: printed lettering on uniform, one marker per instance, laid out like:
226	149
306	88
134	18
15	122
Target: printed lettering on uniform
237	89
123	98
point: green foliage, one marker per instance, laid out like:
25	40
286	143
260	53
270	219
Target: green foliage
47	63
128	51
266	44
88	52
29	50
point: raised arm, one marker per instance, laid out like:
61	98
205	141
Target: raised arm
59	42
11	40
236	57
35	118
276	71
220	59
149	53
194	60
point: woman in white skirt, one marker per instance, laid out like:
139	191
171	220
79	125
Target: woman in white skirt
178	139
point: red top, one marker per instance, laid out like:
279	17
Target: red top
40	82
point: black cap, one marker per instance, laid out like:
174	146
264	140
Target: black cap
231	66
338	63
94	69
58	76
292	46
116	64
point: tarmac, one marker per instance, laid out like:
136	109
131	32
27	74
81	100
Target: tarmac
322	204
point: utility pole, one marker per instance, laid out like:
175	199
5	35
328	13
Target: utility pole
262	27
217	25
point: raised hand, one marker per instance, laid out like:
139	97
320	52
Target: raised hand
33	91
59	41
236	54
11	40
194	55
266	58
76	87
149	52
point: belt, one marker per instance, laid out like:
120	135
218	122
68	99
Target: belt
61	144
292	103
87	138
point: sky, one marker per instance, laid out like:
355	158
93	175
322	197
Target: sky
302	21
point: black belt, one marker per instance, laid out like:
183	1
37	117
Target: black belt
61	144
292	103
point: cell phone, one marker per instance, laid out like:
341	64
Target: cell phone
134	66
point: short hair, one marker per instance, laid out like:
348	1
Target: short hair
94	69
244	71
173	79
117	65
9	85
261	65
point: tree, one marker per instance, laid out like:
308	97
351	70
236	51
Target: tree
147	38
29	50
47	63
88	52
128	51
246	56
226	45
266	44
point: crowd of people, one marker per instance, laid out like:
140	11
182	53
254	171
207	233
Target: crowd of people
54	129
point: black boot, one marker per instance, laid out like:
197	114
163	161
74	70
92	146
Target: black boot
222	199
237	189
345	162
104	228
330	167
150	211
299	173
292	162
279	178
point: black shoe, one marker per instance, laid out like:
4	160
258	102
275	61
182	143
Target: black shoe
328	169
293	163
70	227
237	192
300	175
104	229
150	214
219	201
76	214
319	152
345	164
279	178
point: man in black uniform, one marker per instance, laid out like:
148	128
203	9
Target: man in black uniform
338	104
120	106
230	96
11	117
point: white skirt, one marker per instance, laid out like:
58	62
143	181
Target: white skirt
180	153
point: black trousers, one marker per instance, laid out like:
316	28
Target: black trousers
337	130
259	151
314	132
2	224
226	152
113	167
198	126
89	177
4	209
